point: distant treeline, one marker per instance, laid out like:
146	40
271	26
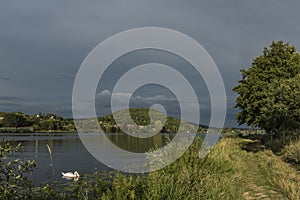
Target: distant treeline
141	118
20	122
17	122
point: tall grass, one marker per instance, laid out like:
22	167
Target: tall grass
216	176
50	152
280	175
51	159
227	172
291	152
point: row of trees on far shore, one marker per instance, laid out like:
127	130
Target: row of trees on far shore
17	121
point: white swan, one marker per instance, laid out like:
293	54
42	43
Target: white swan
71	175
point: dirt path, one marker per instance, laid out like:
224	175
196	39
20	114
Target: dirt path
258	188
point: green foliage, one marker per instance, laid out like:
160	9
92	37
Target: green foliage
51	122
15	119
291	152
140	116
282	112
269	90
16	130
14	182
17	122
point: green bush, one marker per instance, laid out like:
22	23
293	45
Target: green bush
14	182
275	145
291	152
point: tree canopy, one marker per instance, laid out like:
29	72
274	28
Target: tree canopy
269	91
37	122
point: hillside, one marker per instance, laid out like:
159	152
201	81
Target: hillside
141	121
20	122
16	122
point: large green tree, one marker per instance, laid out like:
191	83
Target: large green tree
268	93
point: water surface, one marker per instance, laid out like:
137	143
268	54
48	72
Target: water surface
69	154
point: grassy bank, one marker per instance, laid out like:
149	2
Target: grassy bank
231	171
235	169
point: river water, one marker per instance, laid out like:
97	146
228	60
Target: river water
68	154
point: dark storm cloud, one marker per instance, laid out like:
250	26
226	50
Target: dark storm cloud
8	103
44	42
67	75
7	98
4	78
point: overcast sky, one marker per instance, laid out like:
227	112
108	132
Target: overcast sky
43	43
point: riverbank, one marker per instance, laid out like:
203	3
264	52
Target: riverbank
31	130
235	169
